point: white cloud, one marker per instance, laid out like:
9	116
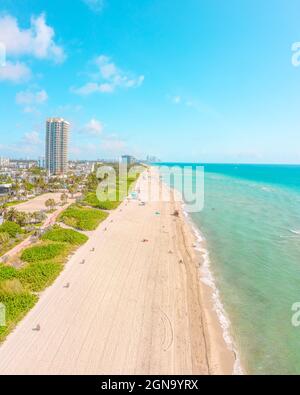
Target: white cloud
37	40
29	98
108	78
29	144
18	148
74	150
15	72
93	128
95	5
32	138
31	110
113	145
84	150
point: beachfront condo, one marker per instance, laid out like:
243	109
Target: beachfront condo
56	155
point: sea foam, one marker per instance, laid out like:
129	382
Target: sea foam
207	278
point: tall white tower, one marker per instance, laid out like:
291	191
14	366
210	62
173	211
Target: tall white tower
57	136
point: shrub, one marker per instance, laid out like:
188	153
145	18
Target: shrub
7	272
9	287
37	276
42	252
70	221
83	218
16	306
4	237
92	200
11	228
65	236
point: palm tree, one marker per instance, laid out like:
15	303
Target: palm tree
16	188
73	189
50	203
11	215
22	219
64	198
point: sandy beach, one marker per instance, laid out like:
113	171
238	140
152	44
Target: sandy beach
38	203
136	306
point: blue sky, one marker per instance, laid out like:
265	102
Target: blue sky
193	80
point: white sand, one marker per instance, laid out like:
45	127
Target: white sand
132	308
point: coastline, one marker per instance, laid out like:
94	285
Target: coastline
214	309
135	307
222	355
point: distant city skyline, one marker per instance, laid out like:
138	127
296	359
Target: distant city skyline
196	81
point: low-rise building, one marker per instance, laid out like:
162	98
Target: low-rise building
5	189
4	162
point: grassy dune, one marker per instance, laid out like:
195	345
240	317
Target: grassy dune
121	188
82	218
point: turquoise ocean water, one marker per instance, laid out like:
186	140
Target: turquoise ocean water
251	226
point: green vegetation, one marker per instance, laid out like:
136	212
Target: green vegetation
7	243
82	218
73	188
7	272
64	198
117	193
61	235
92	200
50	204
43	252
14	203
17	304
11	234
38	276
11	228
4	237
18	217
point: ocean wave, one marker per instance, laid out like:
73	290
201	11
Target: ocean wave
208	279
296	232
267	189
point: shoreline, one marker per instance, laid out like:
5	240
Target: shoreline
211	296
222	355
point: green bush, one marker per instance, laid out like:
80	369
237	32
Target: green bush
7	272
11	228
42	252
11	287
4	237
70	221
16	306
83	218
65	236
92	200
37	276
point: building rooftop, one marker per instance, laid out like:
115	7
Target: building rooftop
57	120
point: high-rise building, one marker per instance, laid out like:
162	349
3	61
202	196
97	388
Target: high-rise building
57	135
